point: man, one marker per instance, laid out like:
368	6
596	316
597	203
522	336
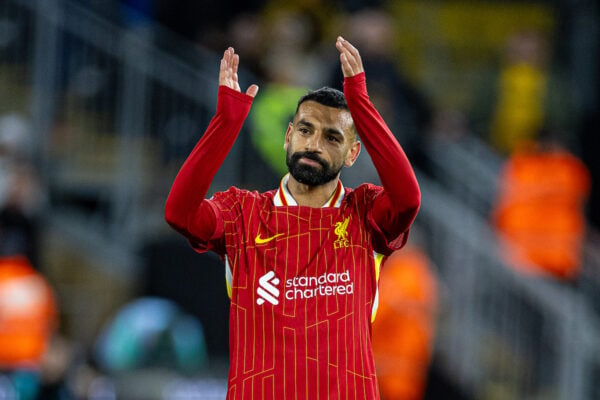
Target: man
302	261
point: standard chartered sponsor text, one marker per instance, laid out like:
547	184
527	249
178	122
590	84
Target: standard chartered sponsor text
328	284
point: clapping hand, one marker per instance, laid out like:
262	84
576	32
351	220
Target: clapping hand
349	58
228	72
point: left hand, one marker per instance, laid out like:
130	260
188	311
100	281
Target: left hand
228	72
349	58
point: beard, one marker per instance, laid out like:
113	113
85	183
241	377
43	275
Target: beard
308	174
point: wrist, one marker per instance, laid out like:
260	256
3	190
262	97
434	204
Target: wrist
229	99
355	83
355	79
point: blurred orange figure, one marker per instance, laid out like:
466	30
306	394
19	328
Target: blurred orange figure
540	210
27	314
404	329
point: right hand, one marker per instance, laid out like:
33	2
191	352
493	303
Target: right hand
228	72
349	58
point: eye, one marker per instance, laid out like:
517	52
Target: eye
303	130
333	138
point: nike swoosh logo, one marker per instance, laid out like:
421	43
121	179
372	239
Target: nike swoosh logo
261	240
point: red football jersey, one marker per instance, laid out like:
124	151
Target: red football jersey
302	281
303	288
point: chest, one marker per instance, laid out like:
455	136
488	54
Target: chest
299	239
292	254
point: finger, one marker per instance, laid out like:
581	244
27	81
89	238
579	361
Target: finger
225	65
339	44
349	66
235	61
227	57
224	61
343	49
352	54
351	60
223	72
349	47
252	90
346	68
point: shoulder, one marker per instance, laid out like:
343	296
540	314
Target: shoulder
365	191
362	198
235	195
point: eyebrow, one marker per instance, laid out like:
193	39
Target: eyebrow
329	130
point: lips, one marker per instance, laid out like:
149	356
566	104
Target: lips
311	159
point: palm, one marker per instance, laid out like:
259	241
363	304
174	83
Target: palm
228	72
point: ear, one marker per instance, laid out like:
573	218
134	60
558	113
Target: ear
352	154
288	133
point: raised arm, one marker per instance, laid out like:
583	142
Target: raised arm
397	208
185	209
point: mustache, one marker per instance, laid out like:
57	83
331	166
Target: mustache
311	155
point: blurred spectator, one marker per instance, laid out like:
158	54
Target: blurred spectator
21	195
406	110
273	109
245	35
295	57
540	209
148	342
151	332
290	68
27	322
525	94
404	330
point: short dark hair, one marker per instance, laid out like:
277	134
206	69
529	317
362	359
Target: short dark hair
326	96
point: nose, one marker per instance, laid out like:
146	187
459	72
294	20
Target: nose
314	142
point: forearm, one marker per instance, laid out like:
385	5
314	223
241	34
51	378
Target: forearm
195	176
393	167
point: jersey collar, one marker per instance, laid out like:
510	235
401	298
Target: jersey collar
283	197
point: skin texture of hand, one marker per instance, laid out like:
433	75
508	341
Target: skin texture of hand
228	72
349	58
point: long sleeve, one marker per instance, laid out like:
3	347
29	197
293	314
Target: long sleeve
185	204
396	209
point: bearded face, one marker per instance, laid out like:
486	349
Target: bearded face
315	173
319	143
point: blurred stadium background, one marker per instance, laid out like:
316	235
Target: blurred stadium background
107	98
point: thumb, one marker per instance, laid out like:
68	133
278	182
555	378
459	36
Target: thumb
252	90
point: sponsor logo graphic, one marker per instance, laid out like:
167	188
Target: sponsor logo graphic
303	287
267	290
341	230
328	284
260	240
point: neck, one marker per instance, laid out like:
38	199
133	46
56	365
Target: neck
311	196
